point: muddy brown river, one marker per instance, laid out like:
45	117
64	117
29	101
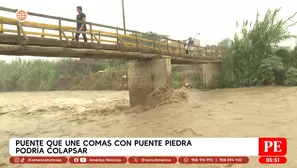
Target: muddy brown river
244	112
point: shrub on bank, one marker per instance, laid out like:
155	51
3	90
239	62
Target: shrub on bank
33	75
253	57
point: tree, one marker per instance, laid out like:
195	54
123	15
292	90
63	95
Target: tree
250	59
224	43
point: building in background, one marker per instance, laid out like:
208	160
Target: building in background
197	42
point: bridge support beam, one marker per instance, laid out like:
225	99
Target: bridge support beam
144	76
210	71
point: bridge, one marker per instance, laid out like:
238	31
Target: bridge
150	56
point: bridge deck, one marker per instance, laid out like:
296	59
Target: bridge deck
36	46
18	40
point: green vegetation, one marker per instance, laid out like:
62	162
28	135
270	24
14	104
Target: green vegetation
253	57
176	79
224	43
32	75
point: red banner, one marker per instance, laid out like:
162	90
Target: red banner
152	160
98	160
144	160
213	160
272	160
38	160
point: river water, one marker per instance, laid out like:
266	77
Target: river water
244	112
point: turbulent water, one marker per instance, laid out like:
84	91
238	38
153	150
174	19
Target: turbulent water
245	112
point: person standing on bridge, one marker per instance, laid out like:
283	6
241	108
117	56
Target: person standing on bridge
81	26
188	44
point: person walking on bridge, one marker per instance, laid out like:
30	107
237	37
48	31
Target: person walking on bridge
81	26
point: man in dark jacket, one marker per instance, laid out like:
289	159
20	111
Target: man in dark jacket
81	26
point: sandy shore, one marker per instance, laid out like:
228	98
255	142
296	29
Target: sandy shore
245	112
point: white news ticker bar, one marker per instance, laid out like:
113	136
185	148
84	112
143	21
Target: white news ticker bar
200	147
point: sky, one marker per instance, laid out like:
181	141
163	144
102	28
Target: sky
213	19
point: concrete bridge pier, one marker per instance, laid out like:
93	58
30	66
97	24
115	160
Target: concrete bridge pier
210	71
144	76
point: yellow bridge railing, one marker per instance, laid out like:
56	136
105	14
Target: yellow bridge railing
113	35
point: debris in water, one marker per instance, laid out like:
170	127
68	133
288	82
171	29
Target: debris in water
166	95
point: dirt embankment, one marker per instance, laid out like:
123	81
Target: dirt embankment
102	80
